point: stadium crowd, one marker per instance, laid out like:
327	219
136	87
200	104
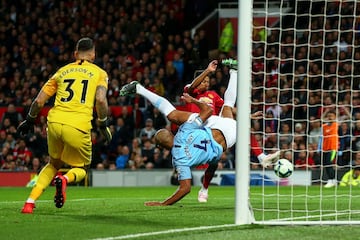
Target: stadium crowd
151	42
136	40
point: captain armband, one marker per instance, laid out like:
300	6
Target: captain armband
198	121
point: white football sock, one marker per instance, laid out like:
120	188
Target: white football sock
164	106
231	91
261	157
30	200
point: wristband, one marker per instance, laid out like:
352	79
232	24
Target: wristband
102	119
30	118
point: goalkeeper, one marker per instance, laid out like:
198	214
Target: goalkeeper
78	87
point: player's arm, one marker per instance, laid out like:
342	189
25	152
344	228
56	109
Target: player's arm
205	110
182	191
101	104
27	126
38	104
197	81
102	107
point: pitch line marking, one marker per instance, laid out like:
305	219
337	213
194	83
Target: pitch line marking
165	232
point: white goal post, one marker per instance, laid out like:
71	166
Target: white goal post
298	62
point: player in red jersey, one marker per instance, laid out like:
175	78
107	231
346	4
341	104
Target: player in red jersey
199	89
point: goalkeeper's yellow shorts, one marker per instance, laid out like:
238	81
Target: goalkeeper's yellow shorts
70	145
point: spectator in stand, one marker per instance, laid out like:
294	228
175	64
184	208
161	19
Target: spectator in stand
147	132
147	153
35	165
22	153
5	151
303	161
226	160
14	116
100	166
11	140
138	119
121	135
112	166
285	135
2	138
135	148
162	159
32	64
271	121
159	121
121	160
355	133
136	163
37	142
6	124
9	163
356	159
345	144
315	131
128	120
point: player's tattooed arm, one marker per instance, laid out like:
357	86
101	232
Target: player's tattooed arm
101	102
38	104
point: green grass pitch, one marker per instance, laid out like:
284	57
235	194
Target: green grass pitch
119	213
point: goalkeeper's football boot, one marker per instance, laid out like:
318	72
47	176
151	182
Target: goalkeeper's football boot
128	89
270	159
232	63
28	208
60	183
203	195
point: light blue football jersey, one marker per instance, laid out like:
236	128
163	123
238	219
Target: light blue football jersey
193	145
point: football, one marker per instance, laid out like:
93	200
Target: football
283	168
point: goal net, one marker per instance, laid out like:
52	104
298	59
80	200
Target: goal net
305	66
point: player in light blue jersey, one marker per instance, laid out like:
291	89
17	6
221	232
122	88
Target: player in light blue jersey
201	137
194	145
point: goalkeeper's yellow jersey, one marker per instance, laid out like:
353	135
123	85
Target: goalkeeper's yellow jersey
75	88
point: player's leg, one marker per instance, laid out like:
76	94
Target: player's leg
47	173
230	96
161	103
45	177
208	176
264	159
77	154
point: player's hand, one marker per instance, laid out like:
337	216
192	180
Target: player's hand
26	126
105	130
187	98
213	65
257	115
153	203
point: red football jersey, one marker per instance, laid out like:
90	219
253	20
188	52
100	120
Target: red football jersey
210	97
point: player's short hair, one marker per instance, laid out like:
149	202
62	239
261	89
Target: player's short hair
164	138
84	44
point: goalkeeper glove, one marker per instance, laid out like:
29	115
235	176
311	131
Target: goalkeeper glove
26	126
104	130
